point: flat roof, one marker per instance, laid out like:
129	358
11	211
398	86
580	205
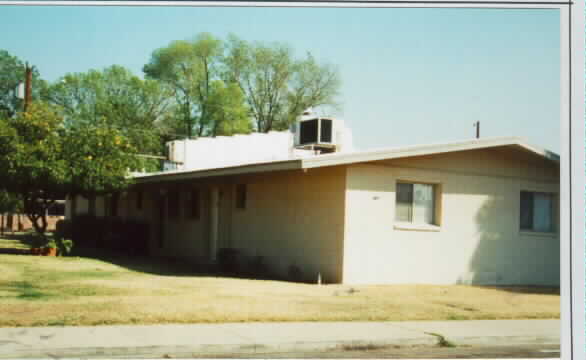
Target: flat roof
349	158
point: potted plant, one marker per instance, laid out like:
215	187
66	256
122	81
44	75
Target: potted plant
50	248
63	245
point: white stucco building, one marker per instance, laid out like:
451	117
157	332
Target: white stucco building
473	212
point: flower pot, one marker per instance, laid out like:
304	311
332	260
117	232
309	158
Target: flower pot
50	251
36	251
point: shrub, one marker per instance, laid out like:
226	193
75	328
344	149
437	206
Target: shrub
110	233
62	244
258	268
85	230
294	273
135	237
228	260
35	240
63	229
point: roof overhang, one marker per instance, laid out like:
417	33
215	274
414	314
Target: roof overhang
350	158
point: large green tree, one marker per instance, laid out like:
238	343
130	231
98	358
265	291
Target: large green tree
117	99
277	86
192	70
42	160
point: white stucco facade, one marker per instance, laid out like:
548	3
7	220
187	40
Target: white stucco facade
338	220
477	239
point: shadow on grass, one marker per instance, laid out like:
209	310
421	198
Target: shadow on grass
149	265
16	244
23	290
527	289
172	266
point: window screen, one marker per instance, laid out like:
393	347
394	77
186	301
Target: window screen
404	208
139	200
415	203
536	211
194	204
173	203
113	204
241	196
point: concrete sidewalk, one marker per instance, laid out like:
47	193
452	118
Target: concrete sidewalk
209	339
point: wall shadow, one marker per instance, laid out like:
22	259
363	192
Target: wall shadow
162	266
505	260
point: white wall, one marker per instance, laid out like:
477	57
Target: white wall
478	240
294	218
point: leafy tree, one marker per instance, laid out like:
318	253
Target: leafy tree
191	69
277	86
42	161
117	99
30	156
8	204
98	158
228	112
12	73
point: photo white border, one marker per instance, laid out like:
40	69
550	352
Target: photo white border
572	128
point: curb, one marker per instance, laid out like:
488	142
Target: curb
259	349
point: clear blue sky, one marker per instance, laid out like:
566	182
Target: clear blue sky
410	76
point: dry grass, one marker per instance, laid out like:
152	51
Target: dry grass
40	291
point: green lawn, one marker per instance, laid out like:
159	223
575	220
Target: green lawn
41	291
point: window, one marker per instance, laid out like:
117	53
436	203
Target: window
57	209
173	203
241	196
415	203
193	204
112	204
139	200
536	211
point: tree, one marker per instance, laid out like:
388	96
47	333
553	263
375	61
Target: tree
8	204
12	73
191	69
98	159
42	161
228	112
114	98
277	86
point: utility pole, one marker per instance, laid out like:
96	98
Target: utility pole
28	86
477	125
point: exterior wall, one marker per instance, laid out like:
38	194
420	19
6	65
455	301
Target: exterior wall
291	218
182	236
478	240
294	218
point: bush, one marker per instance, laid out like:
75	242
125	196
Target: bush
136	236
35	240
258	268
294	273
62	244
228	260
64	229
86	230
110	233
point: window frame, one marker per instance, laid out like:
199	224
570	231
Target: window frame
173	205
552	212
194	212
139	199
437	206
240	196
